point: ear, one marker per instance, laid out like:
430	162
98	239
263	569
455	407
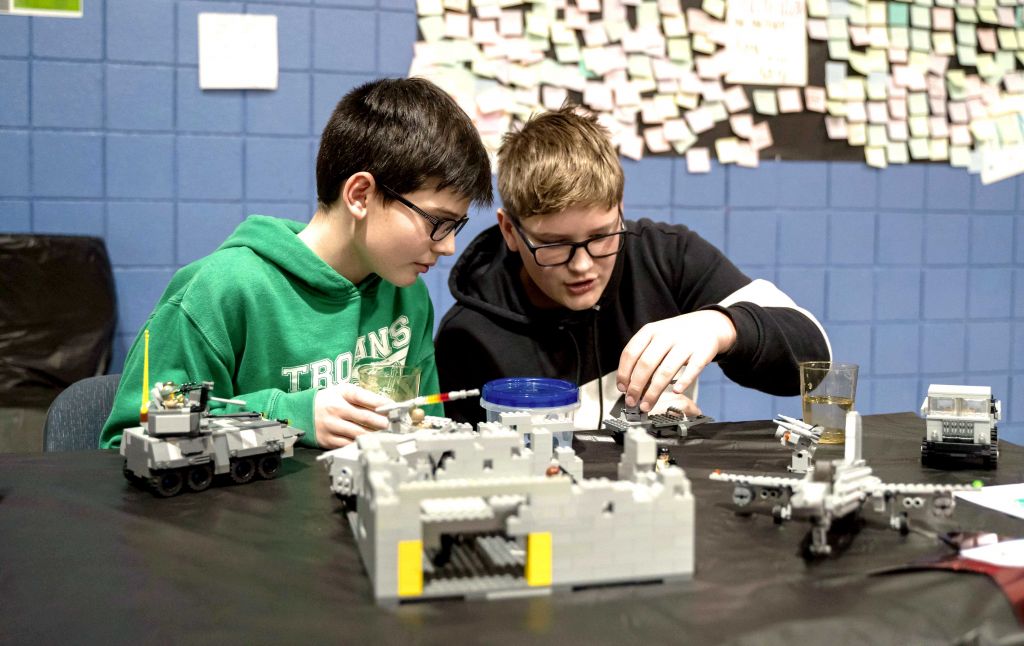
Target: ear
508	231
357	192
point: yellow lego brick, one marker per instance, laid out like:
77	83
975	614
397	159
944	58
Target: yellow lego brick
410	568
538	559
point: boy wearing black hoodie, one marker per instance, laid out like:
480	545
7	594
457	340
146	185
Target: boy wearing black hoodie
565	287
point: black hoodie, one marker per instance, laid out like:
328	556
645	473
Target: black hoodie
665	270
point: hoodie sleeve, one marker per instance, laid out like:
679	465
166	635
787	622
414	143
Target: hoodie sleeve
183	353
464	361
773	334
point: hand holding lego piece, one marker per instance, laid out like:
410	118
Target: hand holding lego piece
343	412
656	354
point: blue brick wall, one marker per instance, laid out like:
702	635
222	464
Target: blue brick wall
915	271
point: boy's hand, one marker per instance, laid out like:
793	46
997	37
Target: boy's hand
343	412
656	353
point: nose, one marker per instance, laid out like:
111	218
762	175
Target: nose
445	247
581	260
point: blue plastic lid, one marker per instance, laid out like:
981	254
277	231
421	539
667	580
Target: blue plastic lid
530	392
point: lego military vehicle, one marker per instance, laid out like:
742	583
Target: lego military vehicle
960	426
182	445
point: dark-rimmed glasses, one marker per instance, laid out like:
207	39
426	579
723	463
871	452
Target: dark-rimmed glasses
442	226
561	253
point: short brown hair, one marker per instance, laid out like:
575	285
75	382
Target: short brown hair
556	161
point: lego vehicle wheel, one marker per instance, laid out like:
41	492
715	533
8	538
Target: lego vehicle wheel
243	470
169	483
199	477
269	465
902	524
777	516
128	475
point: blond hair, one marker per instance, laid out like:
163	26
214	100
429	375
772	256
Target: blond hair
558	160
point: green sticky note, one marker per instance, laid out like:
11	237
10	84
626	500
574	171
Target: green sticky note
966	14
921	17
899	14
765	102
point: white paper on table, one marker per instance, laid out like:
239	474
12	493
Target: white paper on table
1005	554
237	51
1008	499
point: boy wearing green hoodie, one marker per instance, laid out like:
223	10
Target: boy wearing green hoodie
282	313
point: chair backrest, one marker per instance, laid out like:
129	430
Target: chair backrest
76	416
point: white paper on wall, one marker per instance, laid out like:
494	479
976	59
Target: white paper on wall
237	51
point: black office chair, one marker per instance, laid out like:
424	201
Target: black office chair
76	416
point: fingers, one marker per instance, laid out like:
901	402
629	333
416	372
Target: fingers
694	366
645	370
629	357
663	374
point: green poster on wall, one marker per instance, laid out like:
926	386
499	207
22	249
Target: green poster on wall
56	8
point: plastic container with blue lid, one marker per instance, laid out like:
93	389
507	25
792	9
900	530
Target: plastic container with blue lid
544	398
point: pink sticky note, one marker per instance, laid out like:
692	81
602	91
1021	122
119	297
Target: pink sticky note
655	138
511	23
938	127
761	136
960	135
700	120
898	131
677	130
878	112
746	156
815	99
598	96
817	29
898	108
698	160
789	100
958	112
595	35
836	128
485	31
553	97
736	99
987	40
742	124
632	146
942	19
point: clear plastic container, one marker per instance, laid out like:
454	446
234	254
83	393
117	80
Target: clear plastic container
545	399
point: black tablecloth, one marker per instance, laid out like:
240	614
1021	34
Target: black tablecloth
86	557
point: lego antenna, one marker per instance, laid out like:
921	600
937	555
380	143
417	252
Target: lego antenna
144	406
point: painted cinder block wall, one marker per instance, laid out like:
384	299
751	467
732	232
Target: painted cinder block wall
915	271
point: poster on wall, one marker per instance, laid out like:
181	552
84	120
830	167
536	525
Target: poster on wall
885	82
53	8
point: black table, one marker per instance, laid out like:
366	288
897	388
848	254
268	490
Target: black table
86	557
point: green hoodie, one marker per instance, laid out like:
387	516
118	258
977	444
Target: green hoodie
269	322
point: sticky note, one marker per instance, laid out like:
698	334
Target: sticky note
789	100
765	102
814	99
698	160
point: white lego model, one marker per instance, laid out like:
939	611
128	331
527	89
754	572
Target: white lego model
838	489
961	426
183	445
442	512
802	437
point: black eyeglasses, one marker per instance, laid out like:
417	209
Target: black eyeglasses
561	253
442	226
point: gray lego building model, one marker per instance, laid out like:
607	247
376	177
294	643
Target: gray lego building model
446	510
183	446
838	489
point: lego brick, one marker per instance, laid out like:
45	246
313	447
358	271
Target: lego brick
698	189
902	187
140	32
897	294
395	28
202	226
947	188
68	217
78	38
209	111
750	237
852	238
131	223
753	187
14	159
140	97
410	568
991	239
852	184
15	216
14	99
278	168
987	292
284	111
900	238
648	183
140	166
57	86
67	164
188	25
210	167
850	296
986	346
946	239
802	184
357	29
945	293
896	349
